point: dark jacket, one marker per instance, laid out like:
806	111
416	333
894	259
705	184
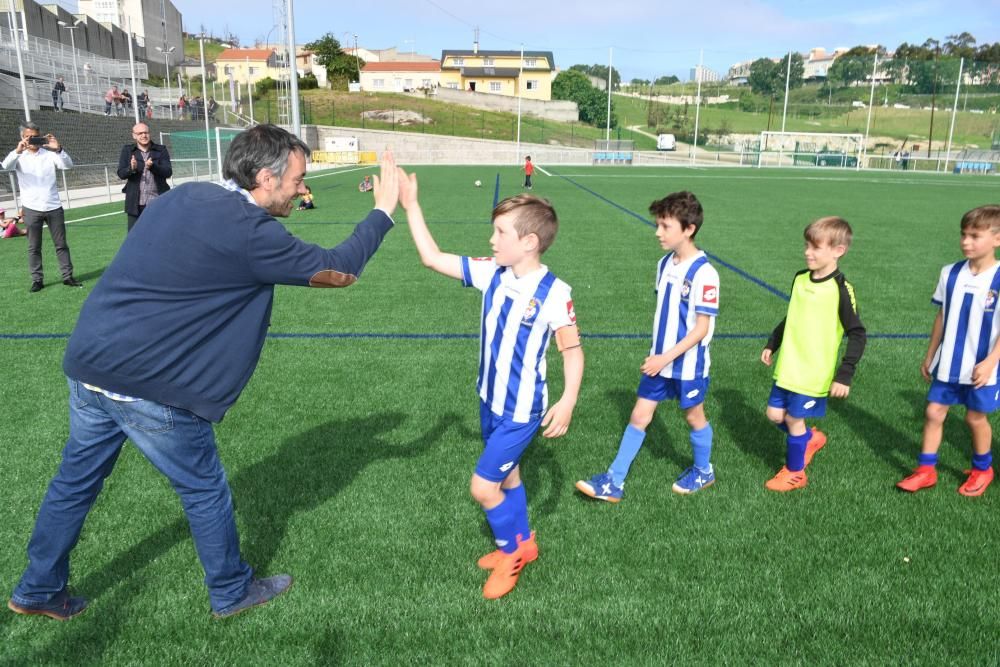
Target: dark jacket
181	313
162	170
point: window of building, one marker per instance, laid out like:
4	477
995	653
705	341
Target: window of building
426	83
487	62
227	69
494	86
453	85
459	62
252	70
530	62
380	83
532	84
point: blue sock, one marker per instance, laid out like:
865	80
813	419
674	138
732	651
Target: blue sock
982	461
928	459
795	459
701	446
501	520
519	506
627	450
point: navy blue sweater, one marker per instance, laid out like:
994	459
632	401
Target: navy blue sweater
180	315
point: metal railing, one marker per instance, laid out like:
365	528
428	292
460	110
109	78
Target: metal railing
88	184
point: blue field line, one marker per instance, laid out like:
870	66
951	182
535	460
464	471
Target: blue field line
475	336
715	258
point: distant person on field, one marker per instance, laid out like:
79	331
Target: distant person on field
676	368
821	311
142	99
145	168
961	359
524	306
213	107
306	203
366	184
57	94
906	160
126	101
8	226
35	160
162	349
529	169
182	105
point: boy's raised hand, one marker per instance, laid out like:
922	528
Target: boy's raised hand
386	184
407	189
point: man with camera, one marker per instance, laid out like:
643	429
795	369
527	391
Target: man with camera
36	178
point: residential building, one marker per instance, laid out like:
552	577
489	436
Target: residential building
153	22
400	76
499	72
706	74
248	65
739	74
816	64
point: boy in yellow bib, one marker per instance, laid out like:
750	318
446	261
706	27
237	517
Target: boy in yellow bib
821	310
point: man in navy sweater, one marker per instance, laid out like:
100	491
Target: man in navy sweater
165	344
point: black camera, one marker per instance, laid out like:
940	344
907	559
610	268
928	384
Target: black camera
38	141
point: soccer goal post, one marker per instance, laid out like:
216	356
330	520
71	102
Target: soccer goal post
814	149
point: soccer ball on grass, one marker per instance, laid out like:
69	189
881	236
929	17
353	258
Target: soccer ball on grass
479	184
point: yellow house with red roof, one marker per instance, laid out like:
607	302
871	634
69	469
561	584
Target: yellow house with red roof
247	65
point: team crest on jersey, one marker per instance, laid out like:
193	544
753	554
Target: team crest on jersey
530	313
686	289
991	300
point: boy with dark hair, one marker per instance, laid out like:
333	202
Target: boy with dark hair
821	310
961	359
524	305
687	303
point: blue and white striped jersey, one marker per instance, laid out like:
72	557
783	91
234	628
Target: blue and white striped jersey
683	291
518	318
969	304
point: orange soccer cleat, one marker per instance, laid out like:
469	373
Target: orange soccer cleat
505	575
491	560
815	444
923	477
977	482
787	480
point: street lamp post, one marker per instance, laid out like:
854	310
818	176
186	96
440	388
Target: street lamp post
166	61
72	44
204	106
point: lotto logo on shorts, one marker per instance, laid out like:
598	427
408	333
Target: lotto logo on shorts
506	466
692	393
710	294
809	405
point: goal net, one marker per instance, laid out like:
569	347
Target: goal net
816	149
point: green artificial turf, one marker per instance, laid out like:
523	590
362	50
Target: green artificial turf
351	449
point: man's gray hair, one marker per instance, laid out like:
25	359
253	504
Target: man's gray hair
260	147
28	125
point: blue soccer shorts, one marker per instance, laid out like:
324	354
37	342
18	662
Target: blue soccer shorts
504	443
688	393
984	399
799	406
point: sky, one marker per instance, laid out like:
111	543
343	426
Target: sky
644	39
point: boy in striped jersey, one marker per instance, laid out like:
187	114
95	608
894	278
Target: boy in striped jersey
687	302
524	306
961	360
822	309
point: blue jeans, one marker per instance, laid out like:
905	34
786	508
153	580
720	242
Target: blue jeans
180	445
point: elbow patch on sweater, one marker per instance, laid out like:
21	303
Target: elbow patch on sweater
331	278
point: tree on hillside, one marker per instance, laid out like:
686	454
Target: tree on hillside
600	72
666	80
329	54
852	66
573	85
962	45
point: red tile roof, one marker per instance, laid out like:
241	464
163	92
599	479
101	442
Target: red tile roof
243	54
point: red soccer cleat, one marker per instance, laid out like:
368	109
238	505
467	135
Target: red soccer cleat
816	443
977	482
923	477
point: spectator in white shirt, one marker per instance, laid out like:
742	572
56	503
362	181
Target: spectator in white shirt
36	177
